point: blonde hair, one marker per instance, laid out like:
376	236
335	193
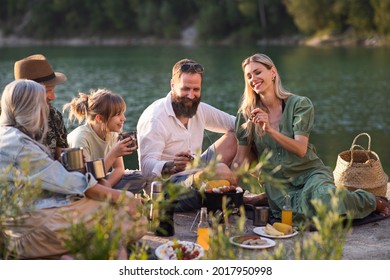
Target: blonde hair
250	99
24	106
101	102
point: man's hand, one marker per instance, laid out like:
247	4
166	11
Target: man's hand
179	163
182	160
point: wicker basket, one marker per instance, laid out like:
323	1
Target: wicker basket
359	168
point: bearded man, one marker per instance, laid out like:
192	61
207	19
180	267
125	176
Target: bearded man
171	132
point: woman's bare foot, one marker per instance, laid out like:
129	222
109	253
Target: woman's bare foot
382	206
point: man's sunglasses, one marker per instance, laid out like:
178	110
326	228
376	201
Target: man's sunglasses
187	67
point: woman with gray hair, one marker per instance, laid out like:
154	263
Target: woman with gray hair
38	233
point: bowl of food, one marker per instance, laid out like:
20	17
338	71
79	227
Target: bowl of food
179	250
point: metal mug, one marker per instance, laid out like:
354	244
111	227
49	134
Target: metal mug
156	189
73	159
96	167
132	134
260	215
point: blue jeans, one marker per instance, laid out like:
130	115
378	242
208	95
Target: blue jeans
133	182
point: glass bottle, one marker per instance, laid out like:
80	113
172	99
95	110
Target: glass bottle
203	230
287	211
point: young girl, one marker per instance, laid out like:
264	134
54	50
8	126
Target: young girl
103	112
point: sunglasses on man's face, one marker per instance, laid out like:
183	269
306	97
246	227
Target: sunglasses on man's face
187	67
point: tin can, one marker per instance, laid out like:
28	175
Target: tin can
260	215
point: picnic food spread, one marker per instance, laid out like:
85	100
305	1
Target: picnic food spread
179	250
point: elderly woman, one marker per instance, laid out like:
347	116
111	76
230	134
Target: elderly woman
38	232
271	118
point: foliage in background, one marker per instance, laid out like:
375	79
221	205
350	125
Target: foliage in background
334	17
238	21
381	16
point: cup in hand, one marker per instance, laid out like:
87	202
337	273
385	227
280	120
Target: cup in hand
96	168
129	134
73	159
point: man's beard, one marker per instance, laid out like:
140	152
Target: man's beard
183	106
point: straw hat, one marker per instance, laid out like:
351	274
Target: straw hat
37	68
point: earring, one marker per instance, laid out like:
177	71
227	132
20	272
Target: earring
273	78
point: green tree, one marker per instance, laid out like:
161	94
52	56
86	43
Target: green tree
331	16
309	16
360	16
211	22
120	14
170	26
381	11
278	21
148	17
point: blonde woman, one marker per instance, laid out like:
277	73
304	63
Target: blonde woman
272	118
39	233
104	114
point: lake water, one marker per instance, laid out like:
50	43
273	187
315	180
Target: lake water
349	87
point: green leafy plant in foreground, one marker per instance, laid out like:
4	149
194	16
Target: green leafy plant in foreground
326	243
111	234
104	238
220	246
17	195
254	176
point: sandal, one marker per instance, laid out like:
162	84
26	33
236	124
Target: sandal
382	206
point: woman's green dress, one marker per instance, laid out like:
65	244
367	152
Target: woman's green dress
309	177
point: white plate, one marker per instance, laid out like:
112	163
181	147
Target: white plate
165	251
270	243
260	231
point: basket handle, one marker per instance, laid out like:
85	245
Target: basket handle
351	150
361	134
